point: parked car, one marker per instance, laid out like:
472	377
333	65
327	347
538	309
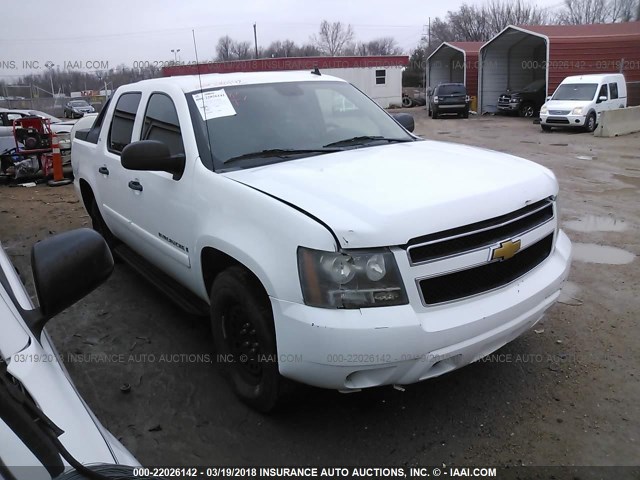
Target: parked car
329	246
44	423
77	108
579	100
526	101
449	98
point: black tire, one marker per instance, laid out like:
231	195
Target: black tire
527	110
545	128
99	225
434	114
590	123
407	102
465	114
243	330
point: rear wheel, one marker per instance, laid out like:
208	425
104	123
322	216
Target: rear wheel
590	124
244	335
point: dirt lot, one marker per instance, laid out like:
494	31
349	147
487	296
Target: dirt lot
564	394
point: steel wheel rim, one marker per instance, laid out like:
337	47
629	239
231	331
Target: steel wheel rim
242	339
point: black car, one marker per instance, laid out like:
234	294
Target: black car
77	108
449	98
526	101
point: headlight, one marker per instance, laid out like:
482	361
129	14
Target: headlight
543	109
576	111
435	99
514	100
350	280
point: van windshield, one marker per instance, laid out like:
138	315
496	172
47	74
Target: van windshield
575	91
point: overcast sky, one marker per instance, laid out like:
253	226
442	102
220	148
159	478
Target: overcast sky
89	35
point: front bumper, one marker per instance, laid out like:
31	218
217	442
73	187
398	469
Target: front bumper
353	349
563	120
508	107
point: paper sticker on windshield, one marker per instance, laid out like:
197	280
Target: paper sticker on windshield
214	104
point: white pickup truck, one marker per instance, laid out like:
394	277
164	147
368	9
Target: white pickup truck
329	245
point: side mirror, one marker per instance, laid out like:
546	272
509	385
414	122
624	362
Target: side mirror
406	120
67	267
152	155
602	98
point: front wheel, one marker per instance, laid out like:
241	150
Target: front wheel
434	114
100	226
527	110
590	124
545	128
244	336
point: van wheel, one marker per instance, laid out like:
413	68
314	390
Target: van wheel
527	110
545	128
590	124
244	335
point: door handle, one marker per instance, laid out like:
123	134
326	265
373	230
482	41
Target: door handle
103	170
135	185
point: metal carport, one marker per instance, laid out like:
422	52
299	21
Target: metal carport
454	62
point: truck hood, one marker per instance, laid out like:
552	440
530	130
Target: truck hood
387	195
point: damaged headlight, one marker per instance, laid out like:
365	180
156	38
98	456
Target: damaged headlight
350	280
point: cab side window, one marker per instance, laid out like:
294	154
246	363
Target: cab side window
604	92
122	122
161	123
613	89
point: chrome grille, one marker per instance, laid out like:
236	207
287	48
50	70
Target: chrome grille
559	112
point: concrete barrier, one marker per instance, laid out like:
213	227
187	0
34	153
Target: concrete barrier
618	122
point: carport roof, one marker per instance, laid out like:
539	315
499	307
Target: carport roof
582	31
466	47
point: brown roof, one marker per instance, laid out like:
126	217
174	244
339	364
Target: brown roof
469	47
594	30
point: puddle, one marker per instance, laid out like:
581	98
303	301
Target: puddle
592	253
527	141
628	179
559	144
443	133
630	157
585	157
570	294
593	223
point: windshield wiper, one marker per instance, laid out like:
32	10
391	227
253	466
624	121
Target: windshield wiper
280	152
362	139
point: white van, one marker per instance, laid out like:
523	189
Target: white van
578	101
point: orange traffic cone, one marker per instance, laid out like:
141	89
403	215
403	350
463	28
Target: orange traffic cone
58	174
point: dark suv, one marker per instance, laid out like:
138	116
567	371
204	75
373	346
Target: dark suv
449	98
526	101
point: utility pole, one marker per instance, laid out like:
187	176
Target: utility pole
255	38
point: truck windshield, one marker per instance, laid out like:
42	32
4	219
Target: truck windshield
252	125
575	91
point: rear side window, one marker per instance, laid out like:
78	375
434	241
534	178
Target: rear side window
94	132
161	123
613	90
122	123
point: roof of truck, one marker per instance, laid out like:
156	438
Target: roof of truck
193	83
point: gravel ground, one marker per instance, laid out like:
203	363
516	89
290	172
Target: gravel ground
564	394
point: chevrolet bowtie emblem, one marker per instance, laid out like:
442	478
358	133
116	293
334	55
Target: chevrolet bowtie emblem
506	250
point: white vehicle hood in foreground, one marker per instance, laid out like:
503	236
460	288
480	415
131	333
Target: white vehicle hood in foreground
387	195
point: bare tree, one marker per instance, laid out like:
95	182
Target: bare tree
286	48
332	38
242	50
383	46
469	23
623	10
582	12
224	49
500	13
